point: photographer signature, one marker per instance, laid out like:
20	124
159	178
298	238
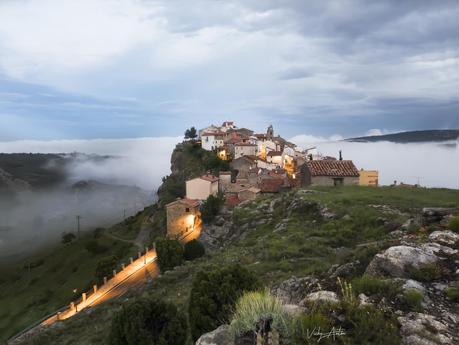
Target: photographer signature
333	333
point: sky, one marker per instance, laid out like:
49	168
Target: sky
92	69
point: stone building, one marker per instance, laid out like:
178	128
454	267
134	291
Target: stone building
369	178
201	187
183	217
329	173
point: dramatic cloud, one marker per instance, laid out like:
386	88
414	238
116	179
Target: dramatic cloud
325	66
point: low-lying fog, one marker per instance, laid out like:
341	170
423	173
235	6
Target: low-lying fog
431	164
33	217
142	162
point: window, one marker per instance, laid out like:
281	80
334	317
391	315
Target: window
187	209
339	181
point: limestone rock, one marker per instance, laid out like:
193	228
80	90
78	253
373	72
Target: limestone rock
321	296
293	290
399	261
220	336
346	270
447	237
419	328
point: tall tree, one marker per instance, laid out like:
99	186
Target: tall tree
191	133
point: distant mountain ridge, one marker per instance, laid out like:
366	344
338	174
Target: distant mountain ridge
436	135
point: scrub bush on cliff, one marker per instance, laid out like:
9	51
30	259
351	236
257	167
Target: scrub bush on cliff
170	254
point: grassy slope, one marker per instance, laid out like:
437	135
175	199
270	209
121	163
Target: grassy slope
61	269
305	247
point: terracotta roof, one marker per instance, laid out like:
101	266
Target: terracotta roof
228	123
274	153
244	144
186	201
232	200
259	135
271	185
332	168
210	178
216	133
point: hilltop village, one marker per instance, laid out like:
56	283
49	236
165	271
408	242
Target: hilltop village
259	163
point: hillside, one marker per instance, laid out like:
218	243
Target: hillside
297	243
412	136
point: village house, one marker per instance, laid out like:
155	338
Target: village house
239	192
329	172
183	217
212	140
275	157
368	178
243	165
244	149
201	187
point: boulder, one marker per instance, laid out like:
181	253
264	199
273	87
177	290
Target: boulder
447	238
321	296
220	336
438	249
399	261
419	328
294	290
346	270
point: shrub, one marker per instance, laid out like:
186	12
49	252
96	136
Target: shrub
98	232
452	292
170	254
252	307
68	237
213	295
368	325
453	224
105	267
426	272
305	324
193	250
95	247
148	322
412	299
374	286
210	208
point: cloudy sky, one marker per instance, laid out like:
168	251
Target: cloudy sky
132	68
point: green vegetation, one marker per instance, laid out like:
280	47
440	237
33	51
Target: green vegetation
170	254
68	237
193	250
426	272
55	273
375	286
412	298
148	322
453	224
252	306
210	207
105	268
191	133
452	291
214	294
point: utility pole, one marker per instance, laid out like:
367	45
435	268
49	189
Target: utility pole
124	214
78	225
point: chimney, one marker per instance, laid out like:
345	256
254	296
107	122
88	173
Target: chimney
340	155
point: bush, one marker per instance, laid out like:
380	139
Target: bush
211	207
170	254
453	224
252	307
98	232
452	292
213	295
193	250
105	267
148	322
95	247
305	324
68	237
374	286
412	299
426	273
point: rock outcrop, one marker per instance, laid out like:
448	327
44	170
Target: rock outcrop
220	336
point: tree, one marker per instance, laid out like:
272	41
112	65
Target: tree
191	133
193	250
210	207
148	322
105	267
214	294
170	254
68	237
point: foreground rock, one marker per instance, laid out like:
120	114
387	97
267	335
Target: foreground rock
400	261
322	297
220	336
423	329
447	237
294	290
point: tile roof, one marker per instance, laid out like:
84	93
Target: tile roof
274	153
332	168
210	178
185	201
271	185
244	144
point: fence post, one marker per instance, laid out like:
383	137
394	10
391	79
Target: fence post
122	266
139	254
114	272
131	259
105	280
83	296
94	288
